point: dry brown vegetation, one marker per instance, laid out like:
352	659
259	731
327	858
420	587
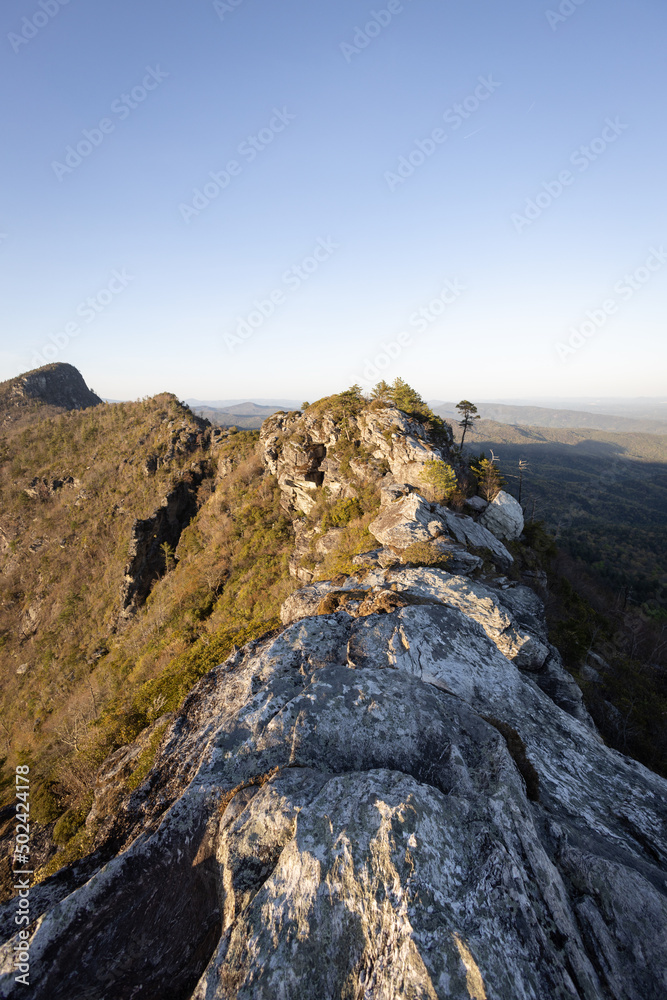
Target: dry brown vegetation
79	679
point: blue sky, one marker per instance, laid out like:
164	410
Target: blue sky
519	251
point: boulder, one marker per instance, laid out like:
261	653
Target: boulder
380	806
473	534
504	517
405	521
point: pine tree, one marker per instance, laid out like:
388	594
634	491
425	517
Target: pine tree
407	399
469	414
489	478
382	392
351	401
439	480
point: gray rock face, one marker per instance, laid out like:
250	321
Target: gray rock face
58	385
406	521
503	517
371	805
472	533
409	519
302	451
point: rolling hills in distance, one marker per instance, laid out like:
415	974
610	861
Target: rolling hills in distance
629	416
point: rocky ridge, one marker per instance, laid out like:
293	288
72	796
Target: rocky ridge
384	805
397	795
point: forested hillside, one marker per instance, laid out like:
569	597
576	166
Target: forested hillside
603	495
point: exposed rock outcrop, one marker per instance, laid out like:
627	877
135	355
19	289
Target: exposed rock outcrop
411	519
314	454
504	517
58	386
377	802
308	450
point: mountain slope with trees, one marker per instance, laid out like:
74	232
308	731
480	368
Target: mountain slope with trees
141	545
390	787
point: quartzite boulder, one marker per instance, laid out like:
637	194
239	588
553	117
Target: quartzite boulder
504	517
381	806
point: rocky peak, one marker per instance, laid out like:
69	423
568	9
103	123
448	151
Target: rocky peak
326	447
59	385
329	453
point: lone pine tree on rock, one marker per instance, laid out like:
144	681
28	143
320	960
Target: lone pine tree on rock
469	414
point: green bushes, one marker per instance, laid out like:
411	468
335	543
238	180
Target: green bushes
71	822
439	480
146	758
183	672
45	804
425	554
341	513
354	539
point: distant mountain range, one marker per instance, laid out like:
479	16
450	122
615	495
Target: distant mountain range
250	414
246	405
637	407
542	416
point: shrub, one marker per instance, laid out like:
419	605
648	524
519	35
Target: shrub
146	758
70	823
341	513
44	804
424	554
439	480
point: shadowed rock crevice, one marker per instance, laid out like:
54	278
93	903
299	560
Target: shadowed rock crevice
167	924
147	557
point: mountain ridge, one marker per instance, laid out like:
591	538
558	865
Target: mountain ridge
333	747
540	416
389	794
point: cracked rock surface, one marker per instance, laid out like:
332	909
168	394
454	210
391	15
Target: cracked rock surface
342	810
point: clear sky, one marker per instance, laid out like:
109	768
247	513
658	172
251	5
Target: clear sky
236	198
